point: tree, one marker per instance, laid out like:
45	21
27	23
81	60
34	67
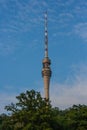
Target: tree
75	118
31	112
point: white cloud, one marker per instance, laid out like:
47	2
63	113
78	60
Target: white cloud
21	20
17	16
8	96
6	99
66	94
10	48
6	49
69	15
81	30
64	2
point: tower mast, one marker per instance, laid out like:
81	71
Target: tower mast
46	70
46	36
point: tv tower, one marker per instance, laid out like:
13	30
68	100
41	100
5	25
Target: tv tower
46	70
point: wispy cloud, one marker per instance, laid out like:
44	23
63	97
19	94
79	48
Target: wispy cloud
81	30
72	91
8	95
26	16
65	95
6	49
18	14
6	99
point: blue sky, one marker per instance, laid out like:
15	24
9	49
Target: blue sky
22	49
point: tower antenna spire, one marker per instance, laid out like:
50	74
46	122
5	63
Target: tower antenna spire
46	36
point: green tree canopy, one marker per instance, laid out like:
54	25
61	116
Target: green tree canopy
31	112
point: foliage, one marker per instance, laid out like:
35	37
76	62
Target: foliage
75	118
32	112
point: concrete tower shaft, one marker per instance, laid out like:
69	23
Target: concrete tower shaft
46	70
46	74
